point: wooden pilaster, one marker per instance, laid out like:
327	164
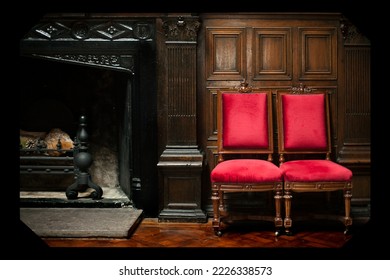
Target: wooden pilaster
180	164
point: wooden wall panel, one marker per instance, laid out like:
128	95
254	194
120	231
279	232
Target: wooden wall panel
176	197
355	144
225	54
318	53
272	54
181	98
213	101
357	99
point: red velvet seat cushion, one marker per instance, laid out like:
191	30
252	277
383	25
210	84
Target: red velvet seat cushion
245	121
245	171
315	170
304	122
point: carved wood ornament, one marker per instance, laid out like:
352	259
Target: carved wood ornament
351	34
244	87
181	29
301	88
82	33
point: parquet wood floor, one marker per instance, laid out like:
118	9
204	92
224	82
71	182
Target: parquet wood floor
245	240
153	234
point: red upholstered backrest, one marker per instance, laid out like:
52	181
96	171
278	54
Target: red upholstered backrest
304	122
245	121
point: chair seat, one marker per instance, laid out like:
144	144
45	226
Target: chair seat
314	171
246	171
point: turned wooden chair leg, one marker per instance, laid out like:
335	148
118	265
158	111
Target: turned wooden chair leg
278	217
287	205
221	202
347	218
215	197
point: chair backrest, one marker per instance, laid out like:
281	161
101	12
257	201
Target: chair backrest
244	122
303	123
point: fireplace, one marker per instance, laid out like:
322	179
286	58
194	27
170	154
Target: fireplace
102	68
55	96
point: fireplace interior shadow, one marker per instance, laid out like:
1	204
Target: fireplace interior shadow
53	96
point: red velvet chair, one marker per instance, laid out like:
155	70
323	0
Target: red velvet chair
245	147
304	130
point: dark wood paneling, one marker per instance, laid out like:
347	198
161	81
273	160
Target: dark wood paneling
176	195
355	147
272	54
225	54
318	53
180	164
181	94
357	98
213	116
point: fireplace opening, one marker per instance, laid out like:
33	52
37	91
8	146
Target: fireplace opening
53	96
102	66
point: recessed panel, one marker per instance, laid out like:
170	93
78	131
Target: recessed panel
225	54
272	54
318	53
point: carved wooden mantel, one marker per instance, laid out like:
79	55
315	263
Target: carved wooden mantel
96	43
180	165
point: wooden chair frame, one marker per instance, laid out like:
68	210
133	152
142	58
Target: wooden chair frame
289	187
218	189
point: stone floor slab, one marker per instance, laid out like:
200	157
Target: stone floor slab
82	222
